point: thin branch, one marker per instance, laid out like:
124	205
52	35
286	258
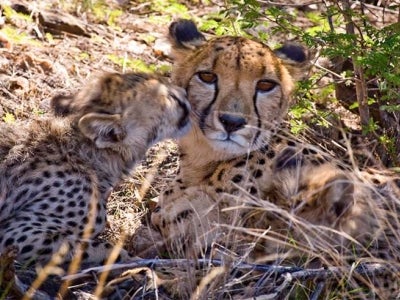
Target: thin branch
361	89
374	7
162	263
290	4
398	15
296	273
369	6
318	290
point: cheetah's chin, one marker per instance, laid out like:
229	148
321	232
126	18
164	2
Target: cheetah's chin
226	138
234	143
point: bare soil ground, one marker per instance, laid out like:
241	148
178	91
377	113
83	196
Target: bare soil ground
52	47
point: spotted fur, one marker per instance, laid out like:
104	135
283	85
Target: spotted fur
246	184
57	173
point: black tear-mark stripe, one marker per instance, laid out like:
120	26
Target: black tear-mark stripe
206	111
258	119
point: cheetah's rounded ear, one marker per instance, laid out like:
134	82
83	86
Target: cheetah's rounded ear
296	58
184	35
103	129
62	105
292	51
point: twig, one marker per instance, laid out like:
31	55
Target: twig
398	16
162	263
318	290
318	66
371	6
290	4
297	273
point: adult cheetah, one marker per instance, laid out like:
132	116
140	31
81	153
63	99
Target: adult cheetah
245	184
57	173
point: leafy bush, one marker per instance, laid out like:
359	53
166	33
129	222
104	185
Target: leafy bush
364	63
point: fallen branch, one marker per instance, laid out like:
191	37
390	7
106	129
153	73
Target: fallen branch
163	263
295	273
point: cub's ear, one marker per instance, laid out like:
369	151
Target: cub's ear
183	34
105	130
62	105
296	59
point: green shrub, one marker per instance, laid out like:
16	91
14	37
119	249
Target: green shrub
365	60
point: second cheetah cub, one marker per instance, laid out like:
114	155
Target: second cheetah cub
56	174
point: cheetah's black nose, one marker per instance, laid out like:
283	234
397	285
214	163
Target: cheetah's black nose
232	123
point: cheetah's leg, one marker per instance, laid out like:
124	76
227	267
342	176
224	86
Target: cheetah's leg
186	221
195	219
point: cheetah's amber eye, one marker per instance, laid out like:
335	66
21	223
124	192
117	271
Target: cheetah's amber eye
207	77
265	85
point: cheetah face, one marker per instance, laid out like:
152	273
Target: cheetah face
128	110
237	110
239	88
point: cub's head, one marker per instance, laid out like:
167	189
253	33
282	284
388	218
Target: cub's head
239	89
127	110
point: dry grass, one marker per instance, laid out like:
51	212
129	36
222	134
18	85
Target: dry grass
30	74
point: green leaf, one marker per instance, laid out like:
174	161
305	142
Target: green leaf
9	118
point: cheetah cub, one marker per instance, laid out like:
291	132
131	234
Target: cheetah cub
57	173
